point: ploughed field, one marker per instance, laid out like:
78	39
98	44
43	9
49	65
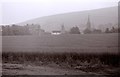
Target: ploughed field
88	43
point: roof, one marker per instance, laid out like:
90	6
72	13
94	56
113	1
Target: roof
56	31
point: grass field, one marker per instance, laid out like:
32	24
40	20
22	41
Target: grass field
90	52
63	43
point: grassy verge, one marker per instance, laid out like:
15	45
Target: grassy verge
70	58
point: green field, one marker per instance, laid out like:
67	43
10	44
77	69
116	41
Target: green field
88	43
97	53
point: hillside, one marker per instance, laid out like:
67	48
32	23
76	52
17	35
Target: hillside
100	18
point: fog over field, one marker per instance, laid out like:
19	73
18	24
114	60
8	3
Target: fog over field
60	40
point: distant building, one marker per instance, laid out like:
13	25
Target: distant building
88	27
96	31
63	29
56	32
35	29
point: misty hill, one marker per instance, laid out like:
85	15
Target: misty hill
100	18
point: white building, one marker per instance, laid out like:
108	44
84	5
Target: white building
56	32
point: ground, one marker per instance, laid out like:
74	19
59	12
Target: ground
51	69
20	69
89	43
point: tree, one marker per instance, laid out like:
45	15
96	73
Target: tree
118	29
113	30
74	30
107	30
96	31
15	29
87	31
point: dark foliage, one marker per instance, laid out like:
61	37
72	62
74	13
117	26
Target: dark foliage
15	30
87	31
74	30
113	30
69	58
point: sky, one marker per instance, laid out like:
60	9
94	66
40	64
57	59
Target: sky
16	11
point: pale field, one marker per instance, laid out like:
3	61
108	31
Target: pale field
47	65
89	43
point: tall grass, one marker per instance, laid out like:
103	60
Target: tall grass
70	58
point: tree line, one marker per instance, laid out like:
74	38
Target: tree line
113	30
75	30
15	30
24	30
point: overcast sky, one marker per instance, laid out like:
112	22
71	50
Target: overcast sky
15	11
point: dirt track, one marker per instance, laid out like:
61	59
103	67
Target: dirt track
18	69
